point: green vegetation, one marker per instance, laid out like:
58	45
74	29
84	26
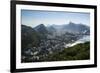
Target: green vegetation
29	37
77	52
37	45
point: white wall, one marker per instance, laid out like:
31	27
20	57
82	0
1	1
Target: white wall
5	37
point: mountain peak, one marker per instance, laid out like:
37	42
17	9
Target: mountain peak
41	28
41	25
71	23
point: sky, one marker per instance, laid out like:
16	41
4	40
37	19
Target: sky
35	17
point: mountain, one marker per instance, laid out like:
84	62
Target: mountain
77	28
71	28
32	36
51	29
29	37
41	29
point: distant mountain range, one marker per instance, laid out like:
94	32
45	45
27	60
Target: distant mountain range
34	35
71	28
77	28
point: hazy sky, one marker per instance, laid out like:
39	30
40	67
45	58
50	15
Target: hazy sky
33	18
